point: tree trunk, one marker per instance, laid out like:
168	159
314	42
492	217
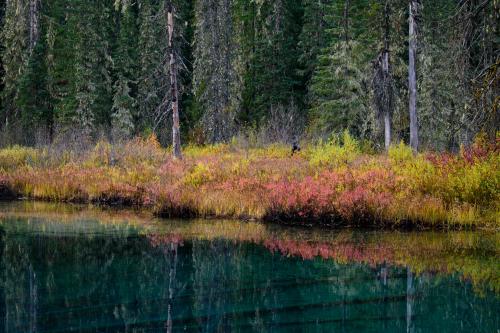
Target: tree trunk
412	72
387	79
174	91
34	23
346	22
171	284
382	82
387	130
409	301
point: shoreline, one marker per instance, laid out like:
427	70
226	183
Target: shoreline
331	186
407	226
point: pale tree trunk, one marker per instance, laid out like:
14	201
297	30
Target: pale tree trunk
34	14
387	130
171	284
387	79
174	90
412	72
410	328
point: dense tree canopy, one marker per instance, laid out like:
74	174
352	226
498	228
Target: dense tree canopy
85	69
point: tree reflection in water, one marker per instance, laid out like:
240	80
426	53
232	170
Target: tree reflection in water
225	277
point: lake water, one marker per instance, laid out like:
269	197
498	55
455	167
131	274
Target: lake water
77	269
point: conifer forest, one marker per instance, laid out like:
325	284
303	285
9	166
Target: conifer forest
422	72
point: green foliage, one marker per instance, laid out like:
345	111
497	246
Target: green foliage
400	153
338	95
34	99
199	175
477	184
126	68
101	67
336	152
274	79
16	156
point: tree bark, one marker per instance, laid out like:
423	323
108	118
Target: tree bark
412	72
174	91
387	79
387	130
34	23
382	82
346	22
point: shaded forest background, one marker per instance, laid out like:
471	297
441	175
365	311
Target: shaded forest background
74	71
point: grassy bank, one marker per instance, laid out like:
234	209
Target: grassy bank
338	183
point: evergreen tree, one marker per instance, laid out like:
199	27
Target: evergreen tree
126	71
61	57
276	74
2	16
89	66
317	22
34	100
214	73
338	91
14	56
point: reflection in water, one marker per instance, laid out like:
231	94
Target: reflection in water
109	278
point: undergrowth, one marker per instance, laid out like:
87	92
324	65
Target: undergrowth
336	183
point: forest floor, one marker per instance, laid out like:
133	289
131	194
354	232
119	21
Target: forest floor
329	184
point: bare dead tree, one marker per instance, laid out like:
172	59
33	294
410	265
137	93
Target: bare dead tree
174	89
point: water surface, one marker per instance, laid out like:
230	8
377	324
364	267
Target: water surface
73	269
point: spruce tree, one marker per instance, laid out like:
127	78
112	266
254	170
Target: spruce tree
214	73
276	61
14	57
93	64
317	22
338	90
153	69
125	60
34	100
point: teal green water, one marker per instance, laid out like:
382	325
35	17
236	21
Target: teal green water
112	278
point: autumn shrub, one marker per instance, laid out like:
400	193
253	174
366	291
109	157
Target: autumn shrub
310	198
477	183
195	151
140	151
335	183
17	156
335	152
400	153
132	154
198	175
277	151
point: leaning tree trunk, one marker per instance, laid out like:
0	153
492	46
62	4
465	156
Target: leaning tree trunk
412	72
174	90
